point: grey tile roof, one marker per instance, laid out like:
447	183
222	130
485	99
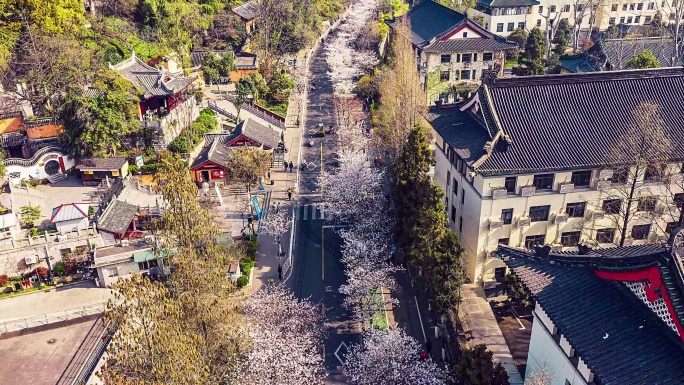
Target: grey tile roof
243	60
196	56
585	308
264	135
615	53
117	217
561	122
115	163
466	136
508	3
470	44
430	19
151	81
216	152
247	10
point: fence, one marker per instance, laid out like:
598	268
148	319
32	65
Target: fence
46	319
84	362
260	112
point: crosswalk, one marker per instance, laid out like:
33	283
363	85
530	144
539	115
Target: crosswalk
311	212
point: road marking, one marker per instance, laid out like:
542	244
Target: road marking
305	217
322	254
522	327
322	212
338	350
420	319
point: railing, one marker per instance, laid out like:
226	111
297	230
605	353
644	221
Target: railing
84	362
46	319
261	112
41	122
33	160
212	105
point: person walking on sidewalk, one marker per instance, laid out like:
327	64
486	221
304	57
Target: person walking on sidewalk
277	207
289	194
428	345
291	166
285	163
280	272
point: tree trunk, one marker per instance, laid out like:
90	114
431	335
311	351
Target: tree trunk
627	215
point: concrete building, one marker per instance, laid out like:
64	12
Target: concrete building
504	16
543	160
452	51
70	217
124	259
607	316
9	227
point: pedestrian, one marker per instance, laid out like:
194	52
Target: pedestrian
280	272
277	207
289	194
291	166
428	345
271	280
285	163
282	136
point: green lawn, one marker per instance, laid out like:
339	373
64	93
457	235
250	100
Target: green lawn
511	63
379	320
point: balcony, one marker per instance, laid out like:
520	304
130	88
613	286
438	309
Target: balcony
523	221
495	223
527	191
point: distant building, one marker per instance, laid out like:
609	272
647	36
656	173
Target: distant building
125	259
527	161
504	16
248	13
71	217
612	316
452	51
95	170
245	63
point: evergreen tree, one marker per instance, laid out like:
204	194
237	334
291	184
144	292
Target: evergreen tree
535	52
518	36
475	367
563	36
645	59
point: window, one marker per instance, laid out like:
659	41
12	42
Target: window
581	178
611	21
465	74
460	224
112	272
475	56
570	239
444	76
576	209
640	6
647	20
487	56
552	9
579	7
622	20
624	7
534	240
467	57
538	22
510	184
651	6
146	265
465	34
446	58
462	196
507	216
629	20
612	206
503	241
637	19
653	173
453	213
444	98
613	7
455	191
499	27
541	10
605	235
566	8
539	213
511	26
678	200
619	176
640	231
647	203
631	7
521	25
448	178
671	226
543	181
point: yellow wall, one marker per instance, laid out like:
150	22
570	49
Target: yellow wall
11	125
46	131
236	75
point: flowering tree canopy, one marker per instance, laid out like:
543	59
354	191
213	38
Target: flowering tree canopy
390	357
287	337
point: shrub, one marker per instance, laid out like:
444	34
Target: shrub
246	266
4	280
15	278
40	271
149	151
33	232
251	247
242	281
60	269
180	144
149	168
132	168
207	111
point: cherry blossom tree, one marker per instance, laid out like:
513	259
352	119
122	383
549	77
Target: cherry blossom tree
277	224
349	117
287	336
388	357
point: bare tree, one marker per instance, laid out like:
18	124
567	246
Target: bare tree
672	20
552	23
580	9
541	375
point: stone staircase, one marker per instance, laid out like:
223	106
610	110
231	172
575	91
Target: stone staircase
58	177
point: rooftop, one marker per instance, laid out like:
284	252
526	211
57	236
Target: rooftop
117	217
247	10
69	211
610	301
577	117
255	131
150	80
508	3
216	152
105	164
617	52
111	254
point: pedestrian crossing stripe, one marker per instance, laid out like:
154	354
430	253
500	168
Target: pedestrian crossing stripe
312	212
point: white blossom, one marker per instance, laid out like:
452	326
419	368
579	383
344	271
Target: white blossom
287	337
277	224
390	357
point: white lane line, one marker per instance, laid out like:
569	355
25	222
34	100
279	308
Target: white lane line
306	211
522	327
322	212
420	318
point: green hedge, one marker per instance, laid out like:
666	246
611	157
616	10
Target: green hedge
187	141
251	247
242	281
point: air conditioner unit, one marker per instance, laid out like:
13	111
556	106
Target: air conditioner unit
499	193
606	173
594	215
556	248
560	218
629	241
30	260
566	187
523	221
125	243
527	191
654	238
603	185
495	223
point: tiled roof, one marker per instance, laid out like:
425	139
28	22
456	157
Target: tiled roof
576	118
617	336
470	44
196	56
508	3
152	81
246	61
216	152
101	163
460	131
617	52
430	19
247	10
257	132
117	217
69	212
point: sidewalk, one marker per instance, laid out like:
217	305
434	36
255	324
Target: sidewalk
267	259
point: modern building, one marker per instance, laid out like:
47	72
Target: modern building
535	160
452	51
614	54
609	316
71	217
504	16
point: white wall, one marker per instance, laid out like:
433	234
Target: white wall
66	226
37	170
